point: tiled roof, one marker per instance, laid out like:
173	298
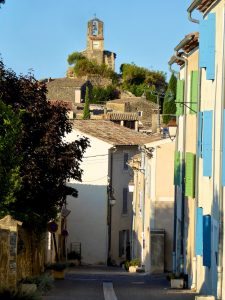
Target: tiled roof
65	82
134	99
112	133
204	5
191	44
69	105
122	116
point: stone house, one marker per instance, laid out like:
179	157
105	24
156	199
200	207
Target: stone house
145	110
153	206
101	216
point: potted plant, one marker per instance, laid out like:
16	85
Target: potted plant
58	270
176	280
75	257
27	285
132	265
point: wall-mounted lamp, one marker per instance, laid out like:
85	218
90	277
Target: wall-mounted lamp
172	129
111	197
131	186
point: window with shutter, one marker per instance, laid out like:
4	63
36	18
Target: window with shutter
207	241
199	232
207	143
194	92
180	98
177	168
190	175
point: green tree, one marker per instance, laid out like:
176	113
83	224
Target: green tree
101	94
169	105
10	158
86	114
48	161
140	80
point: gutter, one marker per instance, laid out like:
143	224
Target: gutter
191	8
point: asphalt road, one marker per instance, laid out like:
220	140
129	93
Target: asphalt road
114	284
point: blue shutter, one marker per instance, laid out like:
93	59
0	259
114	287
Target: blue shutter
207	38
223	151
199	150
199	231
207	143
210	71
207	241
203	44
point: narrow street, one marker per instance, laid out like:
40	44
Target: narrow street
88	283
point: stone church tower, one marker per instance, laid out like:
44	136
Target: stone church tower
95	44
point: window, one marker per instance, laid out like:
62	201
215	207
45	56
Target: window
140	113
124	243
125	160
125	202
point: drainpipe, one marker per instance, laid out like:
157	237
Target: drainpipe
220	246
191	8
143	207
184	150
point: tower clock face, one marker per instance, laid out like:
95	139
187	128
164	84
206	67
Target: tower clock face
96	44
94	28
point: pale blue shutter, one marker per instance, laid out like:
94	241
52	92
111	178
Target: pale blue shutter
211	34
223	151
199	231
203	44
200	121
207	143
207	241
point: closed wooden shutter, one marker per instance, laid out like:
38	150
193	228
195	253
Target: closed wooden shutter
194	92
121	243
190	175
207	49
200	126
180	98
125	203
177	168
207	143
207	241
211	51
199	232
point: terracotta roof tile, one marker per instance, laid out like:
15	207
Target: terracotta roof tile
204	5
112	133
122	116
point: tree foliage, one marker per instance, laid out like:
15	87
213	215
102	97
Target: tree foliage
169	105
86	114
10	158
2	2
101	94
82	66
47	159
140	80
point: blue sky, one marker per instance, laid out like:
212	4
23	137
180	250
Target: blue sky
39	34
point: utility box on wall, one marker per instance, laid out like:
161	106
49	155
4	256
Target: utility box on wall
157	250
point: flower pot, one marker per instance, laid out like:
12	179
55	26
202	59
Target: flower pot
58	274
28	288
133	269
177	283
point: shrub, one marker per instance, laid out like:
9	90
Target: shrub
44	282
58	266
133	262
9	294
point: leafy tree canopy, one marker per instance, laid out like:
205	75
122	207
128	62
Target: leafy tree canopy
137	79
47	160
101	94
83	66
169	105
10	158
86	114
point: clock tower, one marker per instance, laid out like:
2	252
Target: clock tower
95	36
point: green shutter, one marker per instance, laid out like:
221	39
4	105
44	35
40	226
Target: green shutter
180	97
177	168
190	175
194	92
